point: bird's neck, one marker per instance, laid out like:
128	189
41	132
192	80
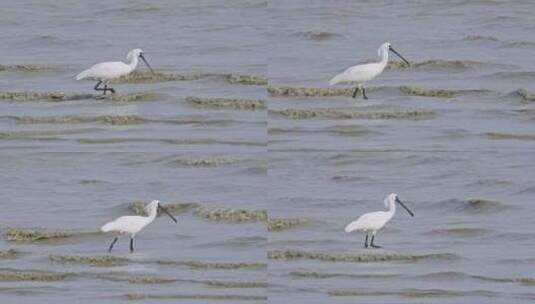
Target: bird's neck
133	63
392	208
383	57
152	214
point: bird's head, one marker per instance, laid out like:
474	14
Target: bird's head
155	206
387	47
392	199
134	53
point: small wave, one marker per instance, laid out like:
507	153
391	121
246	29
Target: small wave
334	114
530	75
476	205
317	35
459	232
353	258
279	224
217	103
205	162
214	297
99	261
29	67
475	37
329	275
518	44
499	136
136	279
454	275
442	65
525	95
412	293
231	215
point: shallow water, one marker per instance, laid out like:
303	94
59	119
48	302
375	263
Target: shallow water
264	177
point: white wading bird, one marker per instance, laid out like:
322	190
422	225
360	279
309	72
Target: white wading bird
375	221
106	71
133	224
362	73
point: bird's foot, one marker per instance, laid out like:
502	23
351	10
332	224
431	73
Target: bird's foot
375	246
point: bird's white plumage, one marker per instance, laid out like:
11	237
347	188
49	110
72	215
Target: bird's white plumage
106	71
362	73
132	224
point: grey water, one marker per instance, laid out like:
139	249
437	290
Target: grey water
465	168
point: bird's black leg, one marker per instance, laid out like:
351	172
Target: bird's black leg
366	241
372	244
131	245
364	93
97	87
105	89
112	243
355	92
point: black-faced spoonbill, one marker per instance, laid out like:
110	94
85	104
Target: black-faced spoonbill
375	221
106	71
365	72
133	224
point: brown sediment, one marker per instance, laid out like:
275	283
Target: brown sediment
148	77
139	207
100	261
245	79
216	265
328	275
415	91
498	136
227	103
28	67
228	284
61	96
136	279
129	97
351	258
72	119
43	276
228	297
9	254
279	224
309	92
525	95
335	114
231	215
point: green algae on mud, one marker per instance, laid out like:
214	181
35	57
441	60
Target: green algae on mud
231	215
500	136
148	77
351	257
9	254
121	120
229	284
61	96
279	224
99	261
35	235
215	297
525	95
227	103
309	92
336	114
42	276
136	279
139	207
205	162
439	93
216	265
245	79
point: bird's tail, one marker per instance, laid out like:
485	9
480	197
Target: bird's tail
351	226
337	79
107	227
82	75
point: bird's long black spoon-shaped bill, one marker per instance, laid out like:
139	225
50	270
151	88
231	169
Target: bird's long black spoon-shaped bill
167	212
405	207
399	55
146	62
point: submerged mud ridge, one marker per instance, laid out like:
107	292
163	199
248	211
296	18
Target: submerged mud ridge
336	114
439	93
205	162
231	215
351	258
216	265
310	92
279	224
99	261
37	235
245	79
476	205
317	35
499	136
28	67
329	275
177	208
459	232
136	279
148	77
226	103
439	64
411	293
120	120
215	297
43	276
228	284
455	275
